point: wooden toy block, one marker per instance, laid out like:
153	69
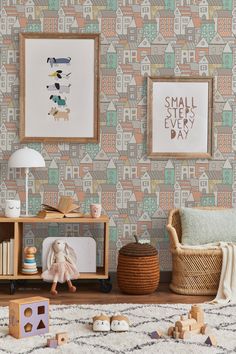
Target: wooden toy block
205	329
156	335
194	322
62	338
28	316
211	340
52	343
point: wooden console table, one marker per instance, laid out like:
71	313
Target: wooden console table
13	228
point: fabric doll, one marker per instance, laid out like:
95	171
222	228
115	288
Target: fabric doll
61	266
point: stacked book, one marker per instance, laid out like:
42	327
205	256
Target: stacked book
7	257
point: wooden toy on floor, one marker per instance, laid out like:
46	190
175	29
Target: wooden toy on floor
29	265
211	340
62	338
28	317
52	343
193	324
101	323
156	335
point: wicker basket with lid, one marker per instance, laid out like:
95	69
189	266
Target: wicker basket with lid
138	269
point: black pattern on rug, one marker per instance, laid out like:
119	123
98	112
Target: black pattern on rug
77	321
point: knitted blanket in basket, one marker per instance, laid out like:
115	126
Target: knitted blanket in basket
227	286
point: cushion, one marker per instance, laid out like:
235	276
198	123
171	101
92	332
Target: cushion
206	226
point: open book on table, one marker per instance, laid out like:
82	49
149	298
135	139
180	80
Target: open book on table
65	209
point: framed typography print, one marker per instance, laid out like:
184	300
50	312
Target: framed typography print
180	117
59	80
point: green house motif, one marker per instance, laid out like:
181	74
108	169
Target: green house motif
111	115
150	204
53	5
227	116
53	230
92	27
227	173
112	5
113	234
169	173
208	30
227	57
228	5
111	176
207	200
53	173
34	203
170	5
111	173
111	57
92	149
169	57
150	30
33	27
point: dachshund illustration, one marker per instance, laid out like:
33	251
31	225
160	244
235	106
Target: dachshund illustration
56	61
59	88
57	115
57	99
59	75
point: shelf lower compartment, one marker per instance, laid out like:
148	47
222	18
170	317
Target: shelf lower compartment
100	274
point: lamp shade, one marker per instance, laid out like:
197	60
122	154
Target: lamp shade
26	157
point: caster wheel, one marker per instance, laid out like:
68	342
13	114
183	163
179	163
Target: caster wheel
105	285
12	287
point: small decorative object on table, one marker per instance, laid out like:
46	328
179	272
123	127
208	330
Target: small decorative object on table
96	210
138	269
61	266
28	317
12	208
29	265
194	323
101	323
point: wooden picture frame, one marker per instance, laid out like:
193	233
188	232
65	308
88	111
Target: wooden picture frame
59	87
179	111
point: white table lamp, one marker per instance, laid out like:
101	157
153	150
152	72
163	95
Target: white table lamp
26	158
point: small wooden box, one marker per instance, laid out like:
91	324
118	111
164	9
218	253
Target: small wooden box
28	317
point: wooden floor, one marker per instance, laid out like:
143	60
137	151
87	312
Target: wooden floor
88	293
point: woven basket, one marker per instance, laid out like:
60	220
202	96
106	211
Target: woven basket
138	269
194	272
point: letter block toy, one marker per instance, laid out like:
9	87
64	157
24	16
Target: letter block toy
62	338
28	317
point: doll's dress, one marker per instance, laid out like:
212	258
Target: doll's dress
64	270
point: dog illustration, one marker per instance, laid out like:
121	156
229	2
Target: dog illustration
56	61
57	99
59	75
58	87
57	115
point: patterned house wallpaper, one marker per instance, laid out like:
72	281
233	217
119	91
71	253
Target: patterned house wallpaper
138	38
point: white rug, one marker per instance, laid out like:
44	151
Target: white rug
76	320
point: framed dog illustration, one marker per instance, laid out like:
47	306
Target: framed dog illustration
180	117
59	87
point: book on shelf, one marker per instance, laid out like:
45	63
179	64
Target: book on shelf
65	209
1	258
7	257
4	257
